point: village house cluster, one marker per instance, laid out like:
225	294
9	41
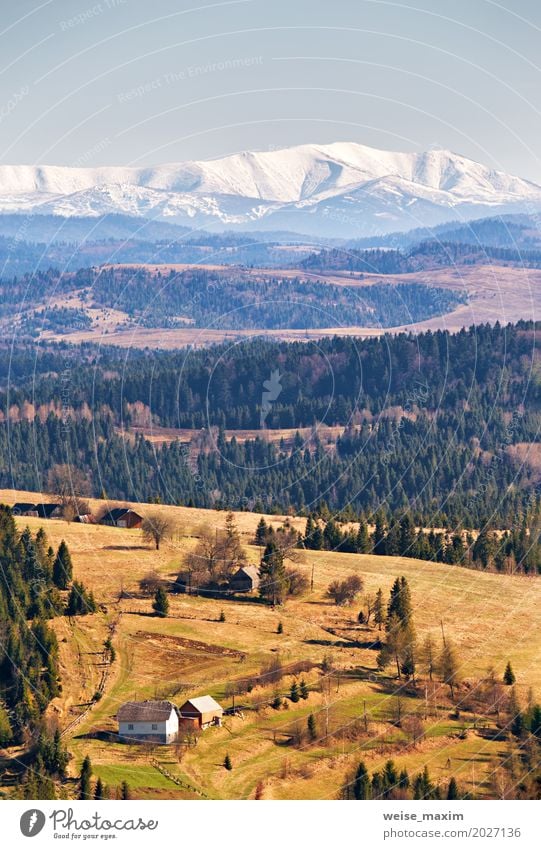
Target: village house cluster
163	722
117	517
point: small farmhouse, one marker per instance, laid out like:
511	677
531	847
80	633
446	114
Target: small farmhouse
41	511
122	517
245	580
49	511
203	711
21	508
149	721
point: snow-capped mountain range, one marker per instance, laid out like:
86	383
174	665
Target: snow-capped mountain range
343	189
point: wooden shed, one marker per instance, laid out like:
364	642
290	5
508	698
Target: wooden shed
204	709
122	517
245	580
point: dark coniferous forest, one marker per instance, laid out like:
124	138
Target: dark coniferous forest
441	425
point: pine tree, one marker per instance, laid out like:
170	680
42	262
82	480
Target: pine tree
125	792
160	605
380	531
280	628
272	574
99	790
312	729
62	567
6	734
85	789
404	780
227	763
406	543
423	787
515	714
303	689
261	532
535	721
362	542
408	651
452	790
509	675
379	610
80	601
400	601
309	532
294	692
361	783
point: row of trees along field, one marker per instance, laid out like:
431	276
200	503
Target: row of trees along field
513	551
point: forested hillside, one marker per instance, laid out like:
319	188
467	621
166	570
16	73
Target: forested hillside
32	583
444	425
425	256
233	300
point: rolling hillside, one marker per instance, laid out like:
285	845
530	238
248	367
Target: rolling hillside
490	618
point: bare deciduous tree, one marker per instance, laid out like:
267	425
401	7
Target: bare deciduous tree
71	485
151	582
157	528
345	592
217	553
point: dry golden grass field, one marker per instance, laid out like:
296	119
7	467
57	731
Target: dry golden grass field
490	619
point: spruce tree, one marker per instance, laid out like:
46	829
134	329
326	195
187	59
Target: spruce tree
452	790
509	675
362	542
85	789
272	574
404	780
99	791
309	532
361	783
294	692
227	763
535	721
160	605
515	714
303	689
312	729
261	532
125	792
62	567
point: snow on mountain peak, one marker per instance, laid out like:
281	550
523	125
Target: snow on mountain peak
307	188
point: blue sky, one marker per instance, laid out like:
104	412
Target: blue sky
133	82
